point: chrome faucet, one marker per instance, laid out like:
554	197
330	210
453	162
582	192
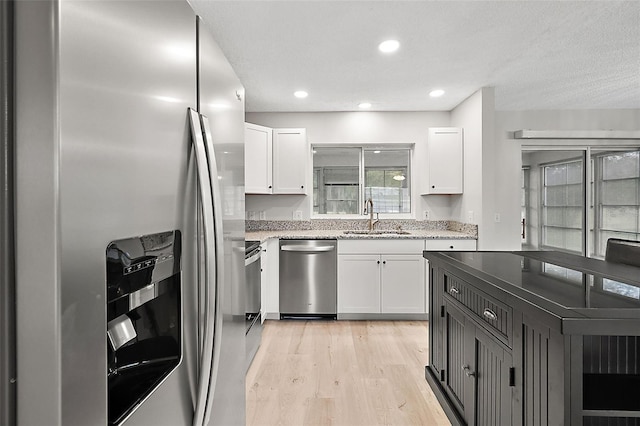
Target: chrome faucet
368	208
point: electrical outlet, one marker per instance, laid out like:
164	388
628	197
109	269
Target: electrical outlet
426	214
470	216
297	215
496	217
263	215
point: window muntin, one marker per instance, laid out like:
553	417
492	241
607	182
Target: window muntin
344	177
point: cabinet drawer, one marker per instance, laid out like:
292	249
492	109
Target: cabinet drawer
496	315
376	246
444	245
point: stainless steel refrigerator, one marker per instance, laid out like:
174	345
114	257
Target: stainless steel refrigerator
122	217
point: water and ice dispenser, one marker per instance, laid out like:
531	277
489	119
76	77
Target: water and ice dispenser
144	318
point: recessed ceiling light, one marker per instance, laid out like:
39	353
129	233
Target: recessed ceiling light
389	46
364	105
300	94
399	177
436	93
376	152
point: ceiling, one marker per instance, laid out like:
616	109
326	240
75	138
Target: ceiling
536	54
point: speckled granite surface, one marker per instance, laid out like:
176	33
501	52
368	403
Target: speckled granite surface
330	229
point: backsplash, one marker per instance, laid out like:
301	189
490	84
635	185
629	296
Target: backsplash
359	224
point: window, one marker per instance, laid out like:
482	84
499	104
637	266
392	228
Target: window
524	202
344	177
617	186
562	206
556	210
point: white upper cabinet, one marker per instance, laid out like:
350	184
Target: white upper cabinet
275	160
290	159
258	158
444	170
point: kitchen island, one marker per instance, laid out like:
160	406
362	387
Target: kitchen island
534	338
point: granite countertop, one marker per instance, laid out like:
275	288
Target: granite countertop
413	234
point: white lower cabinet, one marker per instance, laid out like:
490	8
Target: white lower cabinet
271	279
381	283
403	284
358	284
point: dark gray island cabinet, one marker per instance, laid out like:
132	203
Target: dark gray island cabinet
534	338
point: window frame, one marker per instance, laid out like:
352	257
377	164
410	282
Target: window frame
386	146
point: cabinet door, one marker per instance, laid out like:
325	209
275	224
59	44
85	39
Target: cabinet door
359	284
403	284
493	392
258	159
264	277
436	321
272	285
290	158
445	161
459	338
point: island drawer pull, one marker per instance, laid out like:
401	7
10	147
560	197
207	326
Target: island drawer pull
489	314
454	291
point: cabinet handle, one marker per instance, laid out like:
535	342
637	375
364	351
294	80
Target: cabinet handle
489	314
269	186
378	262
433	186
302	187
384	262
468	371
451	247
454	291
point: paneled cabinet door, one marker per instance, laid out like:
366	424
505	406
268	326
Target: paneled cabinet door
436	321
459	365
358	284
493	392
258	159
290	159
403	284
477	375
444	171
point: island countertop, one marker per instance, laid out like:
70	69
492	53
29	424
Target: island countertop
580	294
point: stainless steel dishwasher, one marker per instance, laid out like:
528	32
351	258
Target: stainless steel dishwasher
308	279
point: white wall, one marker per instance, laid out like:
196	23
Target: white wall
468	115
355	128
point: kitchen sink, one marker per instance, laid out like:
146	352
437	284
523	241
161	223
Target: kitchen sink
376	232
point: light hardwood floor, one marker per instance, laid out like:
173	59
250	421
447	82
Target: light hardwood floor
342	373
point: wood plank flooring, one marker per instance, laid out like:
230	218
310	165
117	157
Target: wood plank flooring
342	373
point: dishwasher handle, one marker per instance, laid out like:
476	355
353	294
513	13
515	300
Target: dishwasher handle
307	249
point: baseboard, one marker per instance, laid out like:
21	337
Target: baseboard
388	317
442	397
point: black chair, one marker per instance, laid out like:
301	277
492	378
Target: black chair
623	251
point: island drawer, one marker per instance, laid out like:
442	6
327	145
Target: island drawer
484	308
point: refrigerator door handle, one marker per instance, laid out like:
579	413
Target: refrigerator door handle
219	255
206	198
